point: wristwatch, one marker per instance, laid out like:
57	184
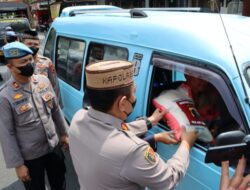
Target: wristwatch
148	123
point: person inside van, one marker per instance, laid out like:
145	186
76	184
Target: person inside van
96	54
210	105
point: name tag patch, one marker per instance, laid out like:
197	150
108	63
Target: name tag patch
24	108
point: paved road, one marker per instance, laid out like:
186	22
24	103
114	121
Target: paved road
8	179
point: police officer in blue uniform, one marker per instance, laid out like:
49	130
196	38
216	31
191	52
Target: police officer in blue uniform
31	123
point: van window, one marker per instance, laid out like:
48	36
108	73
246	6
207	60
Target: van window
98	52
49	47
205	87
69	61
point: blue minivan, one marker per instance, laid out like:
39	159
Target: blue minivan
165	46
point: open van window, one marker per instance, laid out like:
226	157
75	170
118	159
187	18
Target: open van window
99	52
205	87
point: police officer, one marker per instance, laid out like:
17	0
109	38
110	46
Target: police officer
105	155
31	121
10	36
43	65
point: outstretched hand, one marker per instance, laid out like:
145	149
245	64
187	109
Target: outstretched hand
238	181
156	116
165	137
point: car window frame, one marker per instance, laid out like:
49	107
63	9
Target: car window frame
103	44
53	42
176	59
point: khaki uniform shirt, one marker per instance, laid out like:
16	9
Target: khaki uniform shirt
106	157
44	66
29	114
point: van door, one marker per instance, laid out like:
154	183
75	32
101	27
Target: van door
219	112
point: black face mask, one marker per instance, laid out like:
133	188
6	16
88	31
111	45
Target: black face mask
34	49
133	105
27	70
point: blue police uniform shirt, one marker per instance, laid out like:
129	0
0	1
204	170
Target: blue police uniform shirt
15	50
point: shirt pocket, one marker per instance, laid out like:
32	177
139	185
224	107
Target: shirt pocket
48	100
24	114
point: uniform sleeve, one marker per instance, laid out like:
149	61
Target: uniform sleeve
58	118
151	141
54	81
139	127
11	152
153	172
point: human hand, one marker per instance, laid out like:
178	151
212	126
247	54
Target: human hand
189	137
64	140
165	137
22	173
156	116
238	181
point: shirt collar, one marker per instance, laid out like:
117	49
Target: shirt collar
105	118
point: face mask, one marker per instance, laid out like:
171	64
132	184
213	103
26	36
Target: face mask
34	49
27	70
133	105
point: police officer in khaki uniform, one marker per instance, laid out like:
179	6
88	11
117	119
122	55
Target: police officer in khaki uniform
43	65
105	153
29	122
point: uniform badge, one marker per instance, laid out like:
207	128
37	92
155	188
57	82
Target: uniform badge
34	79
41	85
50	104
15	85
41	65
24	108
44	73
52	68
14	52
149	155
17	96
124	127
48	96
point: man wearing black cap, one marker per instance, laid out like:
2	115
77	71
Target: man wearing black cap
31	123
43	65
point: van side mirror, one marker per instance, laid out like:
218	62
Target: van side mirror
229	146
230	137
